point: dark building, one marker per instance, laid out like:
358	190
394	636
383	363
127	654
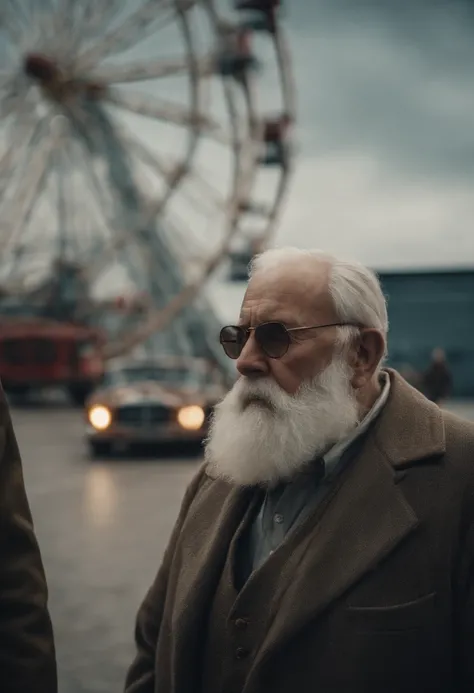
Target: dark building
429	309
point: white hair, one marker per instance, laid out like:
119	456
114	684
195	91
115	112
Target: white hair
355	290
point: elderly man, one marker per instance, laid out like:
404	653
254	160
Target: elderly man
327	543
27	652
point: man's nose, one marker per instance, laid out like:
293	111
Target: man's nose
252	362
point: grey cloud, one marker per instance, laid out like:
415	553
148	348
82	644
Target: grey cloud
396	83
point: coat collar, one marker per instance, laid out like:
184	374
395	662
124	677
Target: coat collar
410	428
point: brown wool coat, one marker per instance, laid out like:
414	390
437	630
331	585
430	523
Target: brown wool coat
27	653
375	597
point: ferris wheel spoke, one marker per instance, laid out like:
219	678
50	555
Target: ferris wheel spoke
62	206
64	22
40	25
202	197
6	179
93	14
17	154
155	69
31	197
160	320
200	203
10	20
73	226
166	112
91	18
24	199
105	255
23	9
180	238
114	243
97	194
170	172
105	225
213	193
65	9
6	159
31	9
79	240
15	100
5	77
133	29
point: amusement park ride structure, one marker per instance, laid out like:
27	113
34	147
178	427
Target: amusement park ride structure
84	187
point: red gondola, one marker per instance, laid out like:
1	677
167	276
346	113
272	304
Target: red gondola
275	137
236	56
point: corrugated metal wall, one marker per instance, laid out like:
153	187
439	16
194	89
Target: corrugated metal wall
428	310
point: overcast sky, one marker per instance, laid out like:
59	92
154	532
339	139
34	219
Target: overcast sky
384	137
385	130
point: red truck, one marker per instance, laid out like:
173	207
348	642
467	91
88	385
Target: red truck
39	353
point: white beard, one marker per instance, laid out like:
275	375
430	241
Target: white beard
264	442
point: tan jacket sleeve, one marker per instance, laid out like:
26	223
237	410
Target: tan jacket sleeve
141	675
27	653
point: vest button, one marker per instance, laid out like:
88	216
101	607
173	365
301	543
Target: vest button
241	653
241	623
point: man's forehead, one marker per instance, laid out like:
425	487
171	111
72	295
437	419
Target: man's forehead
267	311
280	293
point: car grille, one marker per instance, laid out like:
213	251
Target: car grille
143	415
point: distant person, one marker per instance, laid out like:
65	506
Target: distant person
437	379
27	652
326	545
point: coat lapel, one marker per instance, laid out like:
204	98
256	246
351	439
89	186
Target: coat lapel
366	516
209	528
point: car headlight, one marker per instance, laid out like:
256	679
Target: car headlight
191	418
100	417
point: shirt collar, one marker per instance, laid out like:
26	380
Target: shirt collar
334	454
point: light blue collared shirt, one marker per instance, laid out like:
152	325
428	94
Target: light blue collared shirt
286	506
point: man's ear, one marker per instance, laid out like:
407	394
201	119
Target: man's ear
367	352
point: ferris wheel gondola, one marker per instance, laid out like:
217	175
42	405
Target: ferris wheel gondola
261	17
130	141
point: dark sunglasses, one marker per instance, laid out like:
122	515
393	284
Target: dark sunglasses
273	338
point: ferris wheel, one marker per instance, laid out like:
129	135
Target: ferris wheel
132	137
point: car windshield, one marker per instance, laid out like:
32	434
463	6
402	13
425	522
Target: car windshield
168	376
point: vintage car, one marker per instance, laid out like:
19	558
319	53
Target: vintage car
155	401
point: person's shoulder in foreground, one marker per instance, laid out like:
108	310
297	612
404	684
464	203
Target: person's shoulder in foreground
27	651
327	542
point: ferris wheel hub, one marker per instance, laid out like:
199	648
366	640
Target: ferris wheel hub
41	68
57	83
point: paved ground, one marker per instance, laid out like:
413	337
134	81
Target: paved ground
102	529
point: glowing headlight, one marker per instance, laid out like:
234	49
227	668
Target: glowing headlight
191	418
100	417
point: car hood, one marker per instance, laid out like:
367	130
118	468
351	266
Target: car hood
151	392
